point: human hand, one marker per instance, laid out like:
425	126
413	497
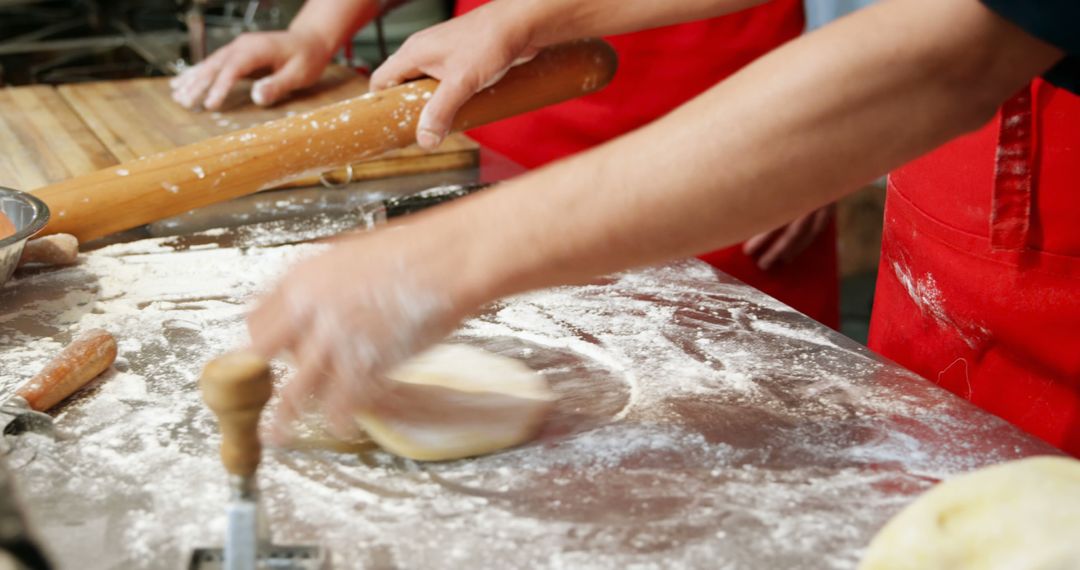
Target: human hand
465	54
787	242
350	314
296	58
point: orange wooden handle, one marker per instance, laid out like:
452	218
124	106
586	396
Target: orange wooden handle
84	359
244	162
236	387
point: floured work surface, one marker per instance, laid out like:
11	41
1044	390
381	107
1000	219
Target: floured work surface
701	425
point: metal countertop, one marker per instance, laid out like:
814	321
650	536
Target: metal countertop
701	424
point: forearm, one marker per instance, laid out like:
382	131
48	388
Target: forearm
334	22
793	131
556	21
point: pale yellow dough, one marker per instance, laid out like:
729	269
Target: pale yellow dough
1021	515
492	402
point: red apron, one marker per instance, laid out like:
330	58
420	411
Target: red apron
659	70
979	284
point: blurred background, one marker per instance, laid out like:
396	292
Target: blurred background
68	41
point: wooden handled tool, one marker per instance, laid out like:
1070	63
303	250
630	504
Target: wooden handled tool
81	361
243	162
236	387
92	353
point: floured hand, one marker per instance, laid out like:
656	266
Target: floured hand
296	59
465	54
352	313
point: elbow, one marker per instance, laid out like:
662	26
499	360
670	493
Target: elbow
975	94
986	63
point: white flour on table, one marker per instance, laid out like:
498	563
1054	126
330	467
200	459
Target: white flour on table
701	425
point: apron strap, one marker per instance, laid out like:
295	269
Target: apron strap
1014	172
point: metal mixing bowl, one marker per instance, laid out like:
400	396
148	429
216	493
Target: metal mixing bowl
29	215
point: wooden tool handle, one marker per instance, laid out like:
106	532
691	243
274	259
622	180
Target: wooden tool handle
92	353
244	162
236	387
57	249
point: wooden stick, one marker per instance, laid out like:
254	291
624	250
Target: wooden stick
244	162
236	387
84	359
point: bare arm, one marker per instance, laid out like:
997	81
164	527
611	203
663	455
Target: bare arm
795	130
472	51
556	21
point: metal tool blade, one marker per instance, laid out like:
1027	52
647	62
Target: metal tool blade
247	540
275	557
17	418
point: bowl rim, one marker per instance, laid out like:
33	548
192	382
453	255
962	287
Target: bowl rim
40	219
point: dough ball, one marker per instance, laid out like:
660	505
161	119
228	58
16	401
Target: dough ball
474	402
1021	515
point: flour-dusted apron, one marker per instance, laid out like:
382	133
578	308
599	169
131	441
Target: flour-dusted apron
979	284
659	70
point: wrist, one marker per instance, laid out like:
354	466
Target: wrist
531	21
326	43
546	23
329	24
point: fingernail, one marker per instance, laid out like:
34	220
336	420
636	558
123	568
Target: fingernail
428	138
259	93
213	100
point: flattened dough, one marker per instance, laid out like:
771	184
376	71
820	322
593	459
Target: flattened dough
1021	515
491	402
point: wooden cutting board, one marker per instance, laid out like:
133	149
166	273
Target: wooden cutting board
50	134
43	141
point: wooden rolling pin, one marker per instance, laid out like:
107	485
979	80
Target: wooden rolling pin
243	162
92	353
236	387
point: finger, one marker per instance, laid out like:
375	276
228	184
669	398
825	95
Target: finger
397	69
755	245
817	224
183	78
346	394
341	406
788	237
242	65
438	115
295	74
298	392
202	76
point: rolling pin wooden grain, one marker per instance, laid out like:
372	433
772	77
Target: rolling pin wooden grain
236	387
92	353
244	162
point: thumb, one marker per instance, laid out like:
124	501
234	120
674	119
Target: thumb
295	74
438	115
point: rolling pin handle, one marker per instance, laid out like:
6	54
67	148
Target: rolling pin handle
236	387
